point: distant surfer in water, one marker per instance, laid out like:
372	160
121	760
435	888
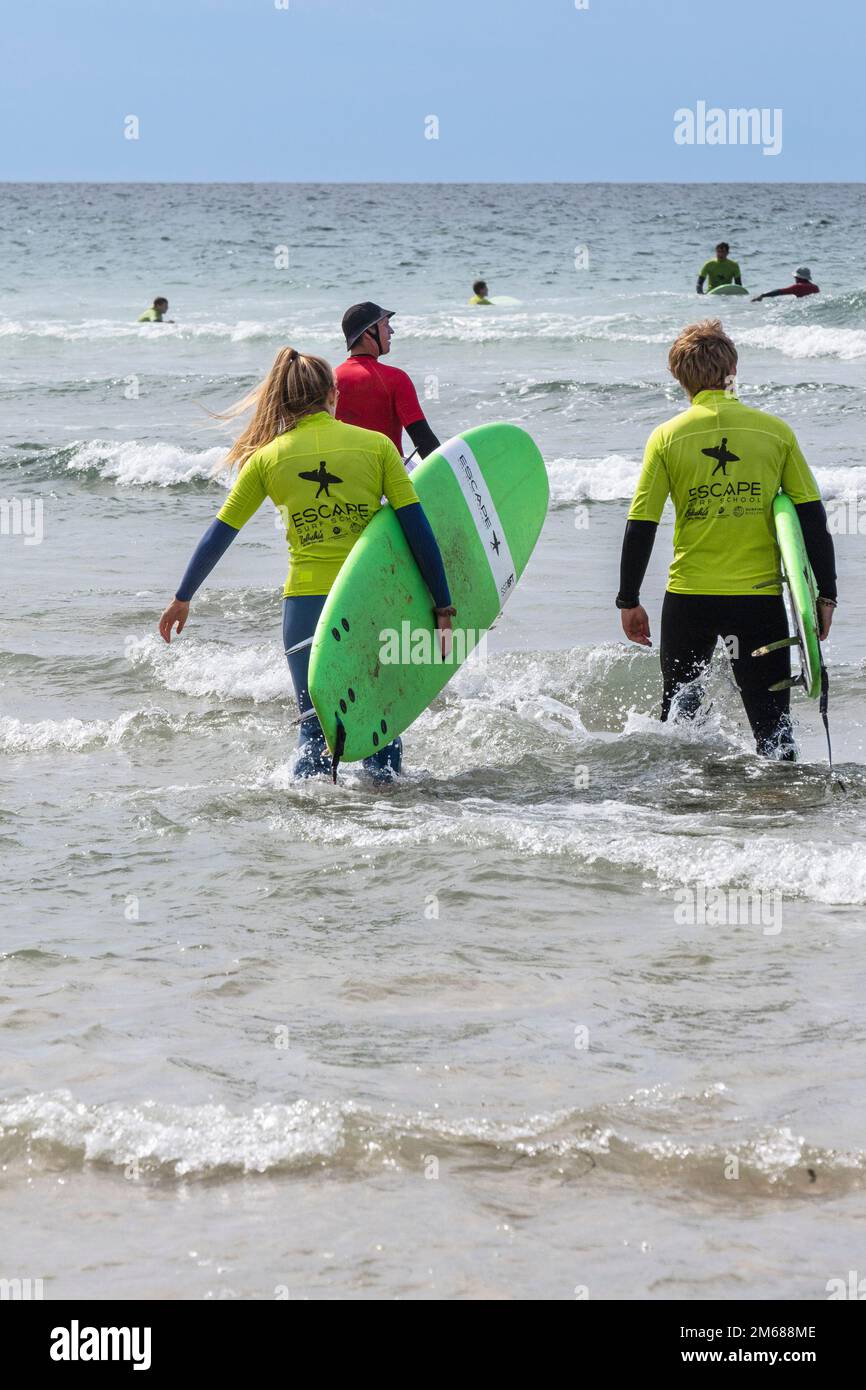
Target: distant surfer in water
803	285
327	480
725	578
157	311
372	395
719	271
480	293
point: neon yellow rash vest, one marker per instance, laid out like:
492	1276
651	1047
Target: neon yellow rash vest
722	463
719	272
150	316
327	480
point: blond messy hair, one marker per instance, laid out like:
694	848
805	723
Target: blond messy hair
703	358
296	385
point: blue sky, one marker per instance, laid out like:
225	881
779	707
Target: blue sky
333	90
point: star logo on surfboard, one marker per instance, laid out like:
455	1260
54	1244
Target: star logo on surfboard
495	543
322	477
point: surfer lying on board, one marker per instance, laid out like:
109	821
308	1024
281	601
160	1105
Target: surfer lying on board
327	480
722	463
372	395
803	285
720	271
480	294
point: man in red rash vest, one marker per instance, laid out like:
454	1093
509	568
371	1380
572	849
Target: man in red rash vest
803	284
372	395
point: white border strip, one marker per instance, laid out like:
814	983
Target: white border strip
476	495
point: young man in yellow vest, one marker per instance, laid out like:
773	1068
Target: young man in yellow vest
722	463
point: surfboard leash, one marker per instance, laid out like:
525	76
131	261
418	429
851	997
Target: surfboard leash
823	702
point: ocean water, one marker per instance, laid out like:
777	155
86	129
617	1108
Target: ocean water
578	1006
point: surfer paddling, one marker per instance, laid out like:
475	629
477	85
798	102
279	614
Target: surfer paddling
480	293
802	286
327	480
373	395
725	578
157	312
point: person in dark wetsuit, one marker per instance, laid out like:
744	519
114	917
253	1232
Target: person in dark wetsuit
725	580
327	480
371	394
803	285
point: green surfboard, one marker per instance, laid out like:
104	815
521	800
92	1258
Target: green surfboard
729	289
375	662
802	591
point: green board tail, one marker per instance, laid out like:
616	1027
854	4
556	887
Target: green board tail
802	591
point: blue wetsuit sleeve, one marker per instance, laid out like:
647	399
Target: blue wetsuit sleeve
212	546
422	543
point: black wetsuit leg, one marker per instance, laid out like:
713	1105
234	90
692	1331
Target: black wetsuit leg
752	621
691	625
688	640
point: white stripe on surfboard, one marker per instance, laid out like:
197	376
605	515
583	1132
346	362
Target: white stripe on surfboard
491	533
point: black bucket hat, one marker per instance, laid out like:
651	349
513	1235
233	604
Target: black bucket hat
360	317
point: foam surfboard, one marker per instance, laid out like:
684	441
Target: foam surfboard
802	593
375	662
729	289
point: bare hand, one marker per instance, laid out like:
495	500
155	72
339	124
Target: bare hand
443	624
825	619
175	614
635	625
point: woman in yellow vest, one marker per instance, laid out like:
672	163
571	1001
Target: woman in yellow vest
326	479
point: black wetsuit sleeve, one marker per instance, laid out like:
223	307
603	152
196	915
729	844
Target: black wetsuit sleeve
422	437
819	546
700	284
637	545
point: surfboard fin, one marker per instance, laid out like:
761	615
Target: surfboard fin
337	754
788	683
776	646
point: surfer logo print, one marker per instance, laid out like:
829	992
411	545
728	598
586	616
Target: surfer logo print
735	497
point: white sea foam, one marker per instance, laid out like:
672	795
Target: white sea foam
202	1140
131	464
806	340
611	479
66	735
189	1140
592	480
637	841
192	667
110	330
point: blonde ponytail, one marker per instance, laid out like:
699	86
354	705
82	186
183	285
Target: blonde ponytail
296	385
